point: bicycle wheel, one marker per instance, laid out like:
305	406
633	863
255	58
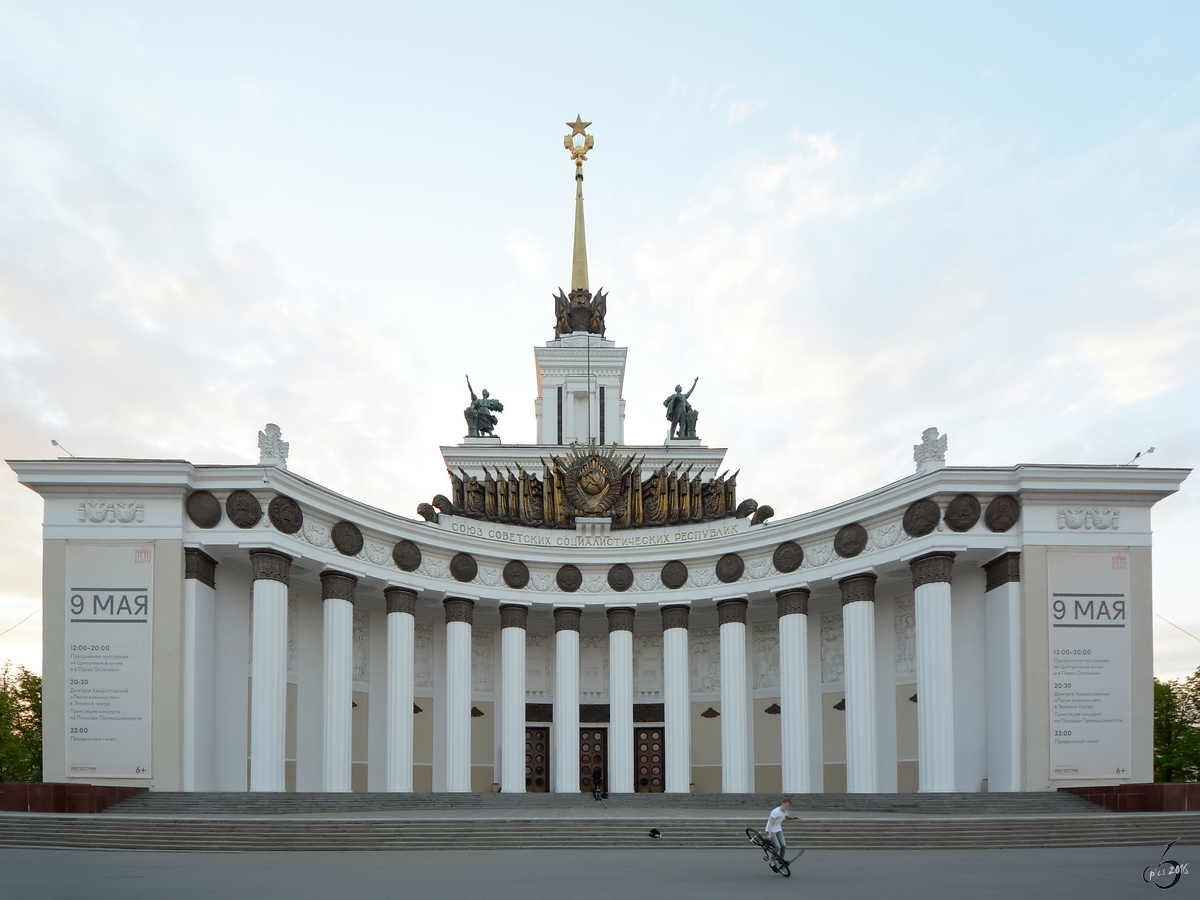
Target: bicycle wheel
755	837
784	870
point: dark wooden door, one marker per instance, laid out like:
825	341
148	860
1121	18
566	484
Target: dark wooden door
537	760
593	752
648	756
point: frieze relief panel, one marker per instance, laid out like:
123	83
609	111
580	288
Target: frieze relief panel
362	646
593	666
833	661
648	665
706	660
482	652
539	665
906	637
766	655
1101	518
423	657
123	512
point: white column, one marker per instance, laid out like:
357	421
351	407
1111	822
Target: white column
199	668
620	700
460	614
565	740
935	671
513	619
735	761
268	669
858	630
1002	605
401	631
677	700
337	667
793	689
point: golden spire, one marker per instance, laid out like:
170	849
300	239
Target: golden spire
579	152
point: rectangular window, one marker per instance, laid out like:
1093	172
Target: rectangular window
602	414
560	411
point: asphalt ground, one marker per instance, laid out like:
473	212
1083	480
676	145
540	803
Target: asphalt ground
655	872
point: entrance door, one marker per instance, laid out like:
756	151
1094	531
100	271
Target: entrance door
648	752
537	760
593	752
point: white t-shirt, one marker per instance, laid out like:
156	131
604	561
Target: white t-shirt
775	822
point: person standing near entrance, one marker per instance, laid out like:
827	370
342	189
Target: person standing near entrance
597	775
774	830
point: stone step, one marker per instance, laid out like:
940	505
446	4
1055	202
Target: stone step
166	833
284	804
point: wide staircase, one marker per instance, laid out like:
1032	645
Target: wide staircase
222	804
230	822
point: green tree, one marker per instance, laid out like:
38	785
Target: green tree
20	724
1177	729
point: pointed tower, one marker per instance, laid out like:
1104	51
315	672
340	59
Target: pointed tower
581	374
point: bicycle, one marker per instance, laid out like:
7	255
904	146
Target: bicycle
770	855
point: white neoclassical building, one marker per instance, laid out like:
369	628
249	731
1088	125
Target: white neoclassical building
586	603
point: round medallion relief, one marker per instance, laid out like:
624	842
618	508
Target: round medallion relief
285	514
516	574
347	538
1002	513
850	541
204	509
569	578
674	574
730	568
406	555
963	512
789	556
243	509
463	567
620	577
921	518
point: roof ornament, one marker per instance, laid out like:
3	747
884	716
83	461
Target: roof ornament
272	448
930	454
578	311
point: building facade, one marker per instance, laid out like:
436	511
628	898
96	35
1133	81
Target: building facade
587	603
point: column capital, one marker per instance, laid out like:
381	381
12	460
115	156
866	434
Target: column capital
793	602
400	600
270	565
199	565
858	587
675	617
620	618
514	615
566	618
932	567
1002	570
337	585
732	611
459	609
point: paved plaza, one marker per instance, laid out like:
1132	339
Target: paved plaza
655	872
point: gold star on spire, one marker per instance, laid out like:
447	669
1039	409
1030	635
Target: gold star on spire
578	126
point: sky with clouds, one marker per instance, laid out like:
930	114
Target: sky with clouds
851	221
